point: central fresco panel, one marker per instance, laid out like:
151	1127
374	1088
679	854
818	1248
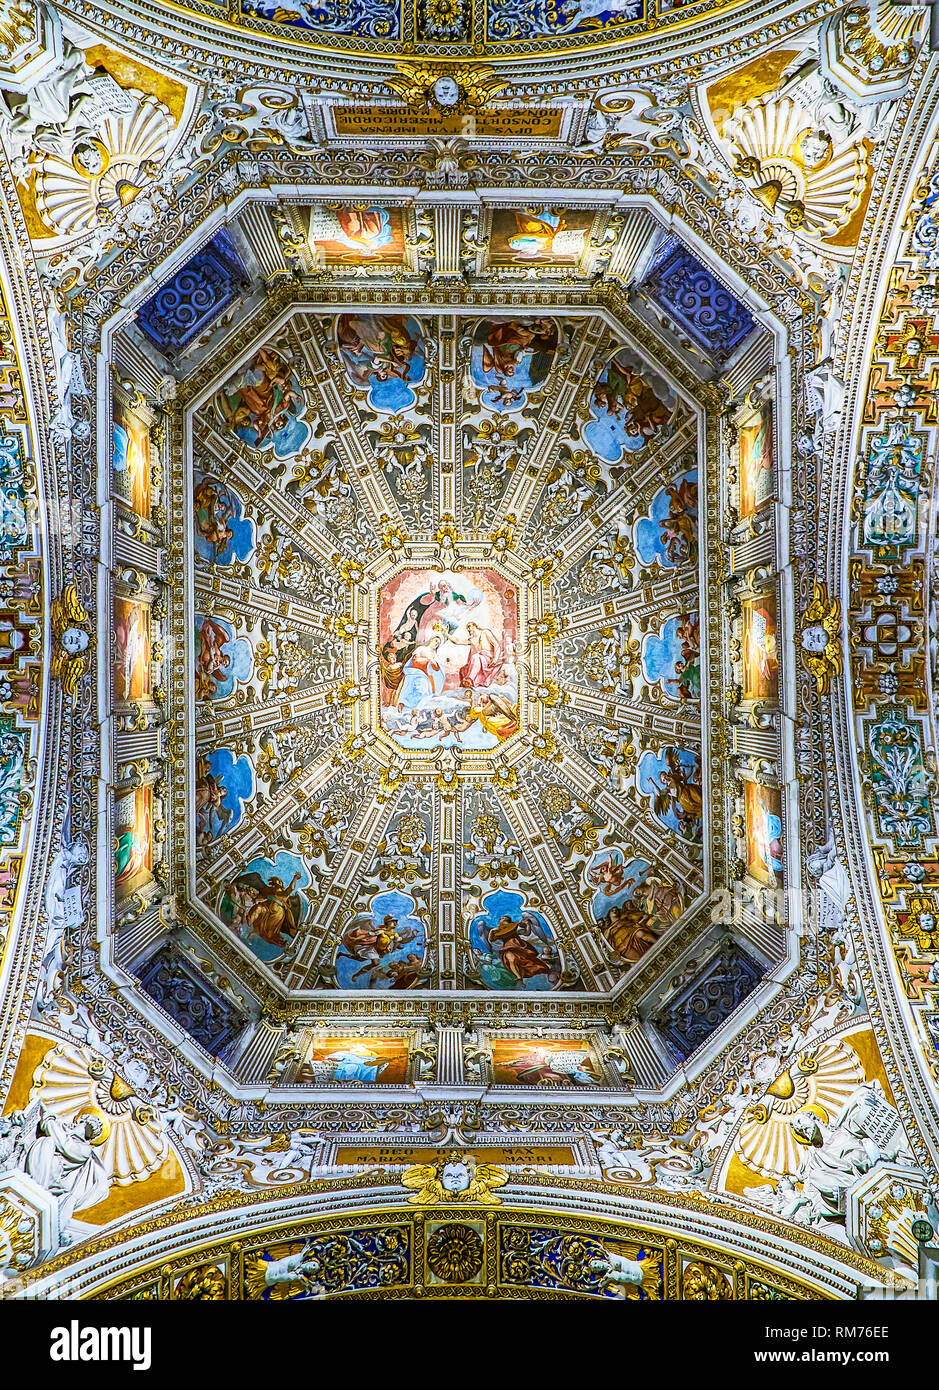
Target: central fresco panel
446	680
448	664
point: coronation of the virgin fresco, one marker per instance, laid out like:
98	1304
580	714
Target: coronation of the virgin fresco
468	651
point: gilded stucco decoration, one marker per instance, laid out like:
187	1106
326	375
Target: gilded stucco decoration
467	651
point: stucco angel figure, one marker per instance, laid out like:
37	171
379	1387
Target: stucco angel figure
830	319
820	639
866	1131
57	112
298	1273
70	381
785	1200
70	639
833	882
16	1132
824	400
59	1155
60	907
833	112
186	1127
305	1147
459	1179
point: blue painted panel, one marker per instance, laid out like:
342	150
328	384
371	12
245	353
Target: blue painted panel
195	296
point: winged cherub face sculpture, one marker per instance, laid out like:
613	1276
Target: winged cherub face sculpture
457	1175
447	91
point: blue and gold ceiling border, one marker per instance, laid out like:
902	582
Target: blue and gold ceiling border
456	29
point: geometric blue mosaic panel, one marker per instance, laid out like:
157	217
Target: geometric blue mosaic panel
690	294
198	292
701	1007
206	1015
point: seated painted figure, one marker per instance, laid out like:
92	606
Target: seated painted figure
485	660
424	673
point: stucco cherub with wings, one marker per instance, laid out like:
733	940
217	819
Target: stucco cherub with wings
70	639
820	640
451	89
459	1179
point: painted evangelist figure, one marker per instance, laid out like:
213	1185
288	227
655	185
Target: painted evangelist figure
534	1062
133	844
447	659
764	831
357	235
131	650
130	458
553	236
756	459
511	357
511	946
334	1057
631	903
760	657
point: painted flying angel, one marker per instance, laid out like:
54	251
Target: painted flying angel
679	790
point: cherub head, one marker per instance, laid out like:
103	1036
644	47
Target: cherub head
815	148
446	91
88	159
814	638
75	640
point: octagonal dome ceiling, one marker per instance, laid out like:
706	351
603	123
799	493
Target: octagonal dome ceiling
465	647
446	677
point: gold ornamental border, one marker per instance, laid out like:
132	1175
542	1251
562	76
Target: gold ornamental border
677	1253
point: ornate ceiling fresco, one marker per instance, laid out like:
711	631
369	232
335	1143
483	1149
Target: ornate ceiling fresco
467	650
447	614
